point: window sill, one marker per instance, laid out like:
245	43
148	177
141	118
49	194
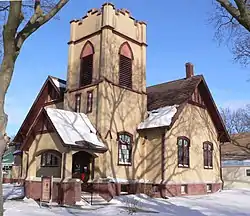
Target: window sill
208	167
124	164
183	166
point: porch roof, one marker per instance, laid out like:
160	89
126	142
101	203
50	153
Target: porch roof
75	129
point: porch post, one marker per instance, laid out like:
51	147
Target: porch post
93	169
68	165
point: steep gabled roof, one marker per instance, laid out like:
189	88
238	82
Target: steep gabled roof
179	92
172	93
74	129
59	85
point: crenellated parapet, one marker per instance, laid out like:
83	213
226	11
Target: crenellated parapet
108	16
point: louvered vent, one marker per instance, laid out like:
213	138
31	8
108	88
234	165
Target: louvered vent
86	70
125	72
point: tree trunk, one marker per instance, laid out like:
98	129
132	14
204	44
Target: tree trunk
6	71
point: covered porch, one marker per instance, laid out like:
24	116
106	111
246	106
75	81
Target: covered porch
66	152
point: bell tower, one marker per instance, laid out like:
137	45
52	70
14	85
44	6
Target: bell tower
106	69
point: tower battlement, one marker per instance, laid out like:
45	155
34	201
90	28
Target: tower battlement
108	16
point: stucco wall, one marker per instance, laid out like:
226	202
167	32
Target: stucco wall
235	177
120	110
41	143
195	123
69	102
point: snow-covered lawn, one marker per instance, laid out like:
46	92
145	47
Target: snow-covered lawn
225	203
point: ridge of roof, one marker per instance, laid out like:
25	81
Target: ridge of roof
61	80
177	80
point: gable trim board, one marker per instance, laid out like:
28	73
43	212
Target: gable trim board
52	80
74	133
157	99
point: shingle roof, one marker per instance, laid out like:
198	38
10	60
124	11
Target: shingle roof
238	148
172	93
178	92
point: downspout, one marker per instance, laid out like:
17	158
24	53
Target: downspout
163	156
27	165
221	176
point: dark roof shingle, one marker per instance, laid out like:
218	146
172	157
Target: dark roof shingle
171	93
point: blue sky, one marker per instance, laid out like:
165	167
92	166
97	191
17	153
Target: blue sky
177	32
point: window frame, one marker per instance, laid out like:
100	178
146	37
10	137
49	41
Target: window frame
119	144
89	101
248	174
125	55
208	155
87	56
76	102
52	155
186	152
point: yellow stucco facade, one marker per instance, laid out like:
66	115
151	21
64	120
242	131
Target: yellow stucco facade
116	109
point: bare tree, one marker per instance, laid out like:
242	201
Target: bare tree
237	121
231	19
18	20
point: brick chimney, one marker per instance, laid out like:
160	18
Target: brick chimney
189	70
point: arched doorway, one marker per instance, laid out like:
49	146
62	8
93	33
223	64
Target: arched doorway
82	166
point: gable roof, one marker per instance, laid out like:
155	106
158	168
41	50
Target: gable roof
179	92
238	148
74	128
172	93
59	85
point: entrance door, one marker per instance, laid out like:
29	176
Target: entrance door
81	166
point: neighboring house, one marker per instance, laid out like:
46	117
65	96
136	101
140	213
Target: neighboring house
11	163
236	161
103	124
7	163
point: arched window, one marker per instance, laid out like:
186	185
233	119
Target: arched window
183	144
86	67
125	140
125	65
50	159
208	155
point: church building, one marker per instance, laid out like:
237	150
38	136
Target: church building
103	130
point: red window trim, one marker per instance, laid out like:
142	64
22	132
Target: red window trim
89	101
207	154
130	151
76	101
185	152
51	154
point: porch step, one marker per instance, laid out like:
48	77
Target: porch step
96	199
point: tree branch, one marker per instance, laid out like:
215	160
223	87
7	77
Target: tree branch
241	14
229	7
36	21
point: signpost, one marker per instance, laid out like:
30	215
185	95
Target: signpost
47	189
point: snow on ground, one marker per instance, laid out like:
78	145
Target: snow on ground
226	203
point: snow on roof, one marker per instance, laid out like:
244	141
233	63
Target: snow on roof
58	83
159	117
74	127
